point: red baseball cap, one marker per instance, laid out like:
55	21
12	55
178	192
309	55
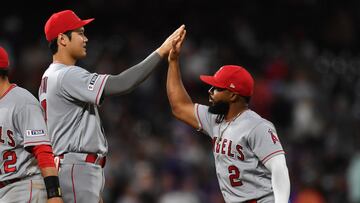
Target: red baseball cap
61	22
4	59
234	78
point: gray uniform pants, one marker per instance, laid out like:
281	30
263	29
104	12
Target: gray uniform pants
81	182
26	190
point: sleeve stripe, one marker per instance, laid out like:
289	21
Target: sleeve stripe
35	142
100	89
271	155
197	116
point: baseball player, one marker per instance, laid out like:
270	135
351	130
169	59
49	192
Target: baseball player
70	96
249	159
27	161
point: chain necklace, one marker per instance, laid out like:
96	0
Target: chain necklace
221	133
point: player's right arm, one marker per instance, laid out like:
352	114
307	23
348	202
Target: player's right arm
30	122
45	158
280	180
181	104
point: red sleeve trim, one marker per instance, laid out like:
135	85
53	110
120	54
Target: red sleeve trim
97	95
12	86
271	155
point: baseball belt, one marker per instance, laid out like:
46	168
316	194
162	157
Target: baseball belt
89	158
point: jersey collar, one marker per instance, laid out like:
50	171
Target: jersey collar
8	90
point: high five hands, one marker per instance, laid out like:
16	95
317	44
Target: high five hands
167	45
176	46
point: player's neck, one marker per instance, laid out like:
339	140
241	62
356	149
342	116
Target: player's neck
63	59
4	86
235	111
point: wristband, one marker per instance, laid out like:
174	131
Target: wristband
52	186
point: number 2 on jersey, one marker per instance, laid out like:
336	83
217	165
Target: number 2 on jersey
234	176
10	157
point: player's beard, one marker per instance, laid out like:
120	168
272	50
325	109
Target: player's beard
219	108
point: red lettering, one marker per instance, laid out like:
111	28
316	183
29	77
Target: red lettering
223	146
229	149
43	85
218	146
241	156
11	161
234	176
11	141
213	141
43	104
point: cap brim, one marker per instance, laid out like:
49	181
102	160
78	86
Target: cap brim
80	24
210	80
85	22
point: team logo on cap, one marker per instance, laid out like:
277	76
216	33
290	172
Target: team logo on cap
35	133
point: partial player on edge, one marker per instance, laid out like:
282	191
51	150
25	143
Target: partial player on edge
27	160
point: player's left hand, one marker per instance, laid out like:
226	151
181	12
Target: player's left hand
165	48
55	200
176	47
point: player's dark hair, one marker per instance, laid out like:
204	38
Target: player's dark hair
4	74
247	99
219	118
53	43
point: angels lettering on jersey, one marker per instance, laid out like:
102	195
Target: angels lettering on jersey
228	148
7	137
234	150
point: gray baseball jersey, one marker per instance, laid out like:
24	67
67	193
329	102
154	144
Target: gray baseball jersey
69	96
21	125
241	147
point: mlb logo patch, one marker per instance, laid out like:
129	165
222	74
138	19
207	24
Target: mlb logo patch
35	133
92	82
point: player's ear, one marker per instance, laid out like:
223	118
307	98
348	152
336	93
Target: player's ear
234	97
61	39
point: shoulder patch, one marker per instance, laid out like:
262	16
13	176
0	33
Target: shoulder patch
93	81
35	133
274	137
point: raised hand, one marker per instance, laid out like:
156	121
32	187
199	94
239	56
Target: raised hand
165	48
176	47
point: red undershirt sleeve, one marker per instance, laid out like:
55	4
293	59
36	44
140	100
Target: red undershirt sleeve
44	155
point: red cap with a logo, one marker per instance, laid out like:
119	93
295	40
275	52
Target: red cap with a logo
234	78
61	22
4	59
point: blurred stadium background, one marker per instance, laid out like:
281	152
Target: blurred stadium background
304	55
